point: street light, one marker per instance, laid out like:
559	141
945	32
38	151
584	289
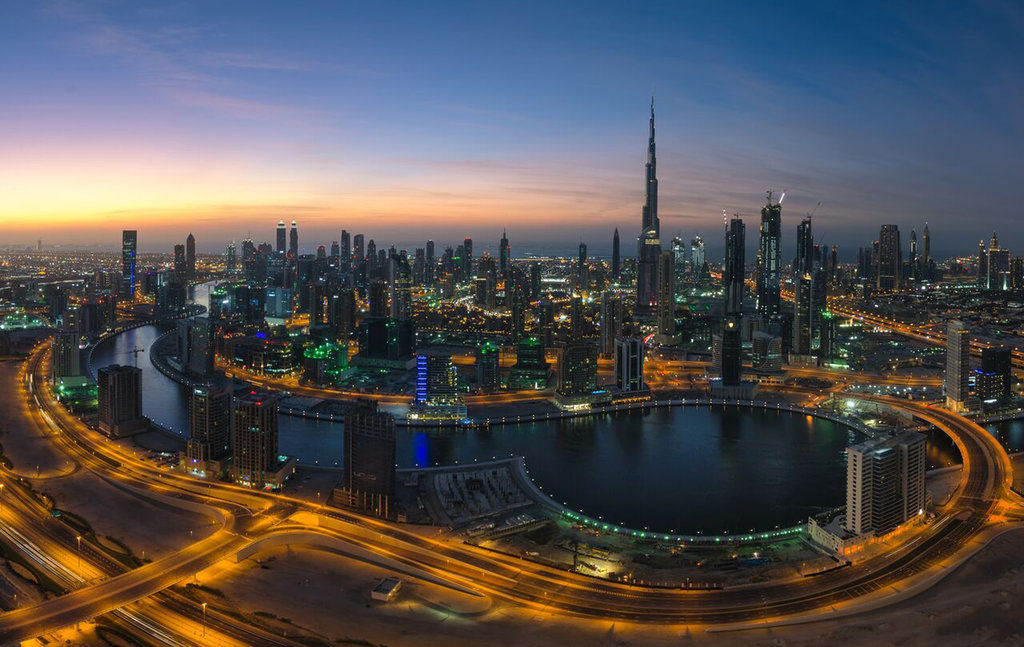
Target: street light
204	618
79	540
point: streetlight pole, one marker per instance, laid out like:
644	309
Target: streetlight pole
79	540
204	618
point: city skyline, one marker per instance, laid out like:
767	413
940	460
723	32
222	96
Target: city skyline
386	137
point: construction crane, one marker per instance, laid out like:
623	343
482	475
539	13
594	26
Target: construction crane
135	355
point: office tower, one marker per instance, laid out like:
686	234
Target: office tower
769	268
535	280
467	259
369	481
546	322
577	325
982	266
282	238
232	257
804	247
697	255
666	299
998	266
1017	273
488	372
437	394
293	241
179	262
119	390
582	281
386	343
611	322
209	423
400	287
926	245
341	315
345	250
649	243
515	292
993	379
766	352
190	257
733	271
958	363
679	259
912	266
358	250
577	369
377	292
732	352
67	357
629	364
430	264
371	259
129	251
195	346
254	438
884	483
890	259
616	262
503	254
810	294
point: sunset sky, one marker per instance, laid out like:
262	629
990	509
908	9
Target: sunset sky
415	120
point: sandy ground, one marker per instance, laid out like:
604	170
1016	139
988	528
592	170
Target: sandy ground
980	603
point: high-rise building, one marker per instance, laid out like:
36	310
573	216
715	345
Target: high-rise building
119	390
998	266
732	352
515	293
196	346
697	254
67	356
190	257
209	423
769	260
369	479
884	483
254	439
467	258
129	251
345	250
488	372
400	287
293	241
666	299
890	259
611	322
649	243
958	363
231	255
282	238
629	365
766	352
577	369
993	379
804	247
616	262
429	264
180	269
504	252
437	394
582	280
733	272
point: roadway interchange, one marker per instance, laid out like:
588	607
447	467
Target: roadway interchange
250	517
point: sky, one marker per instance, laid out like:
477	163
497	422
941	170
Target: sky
412	120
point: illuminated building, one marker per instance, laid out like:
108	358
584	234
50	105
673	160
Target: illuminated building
190	257
67	356
209	422
488	371
958	363
629	365
119	400
577	371
734	269
884	483
769	261
649	243
293	241
611	322
993	379
195	346
282	238
129	251
437	394
890	259
766	356
531	367
369	478
400	286
504	253
255	461
666	300
323	363
616	262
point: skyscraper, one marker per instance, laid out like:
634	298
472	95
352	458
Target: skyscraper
732	352
254	438
503	254
190	257
209	422
649	243
581	268
437	394
345	250
119	391
769	279
994	377
369	480
129	250
666	299
890	259
400	287
733	272
611	322
629	364
429	264
293	241
616	263
282	238
180	268
958	362
884	483
998	266
804	247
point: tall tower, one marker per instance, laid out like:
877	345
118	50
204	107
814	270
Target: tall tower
804	247
129	251
926	246
890	259
615	255
293	241
958	363
581	268
254	438
649	243
769	279
282	238
912	258
503	254
666	299
190	256
732	274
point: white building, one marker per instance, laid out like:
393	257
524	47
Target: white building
884	483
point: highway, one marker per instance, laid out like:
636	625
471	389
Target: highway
250	515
